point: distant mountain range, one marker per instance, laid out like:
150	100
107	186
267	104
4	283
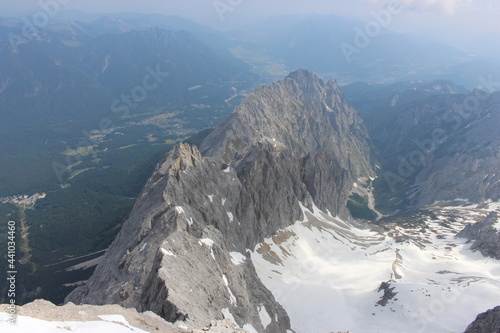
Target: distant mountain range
319	43
73	73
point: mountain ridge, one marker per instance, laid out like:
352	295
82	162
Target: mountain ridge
180	224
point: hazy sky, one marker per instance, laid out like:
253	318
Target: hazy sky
443	17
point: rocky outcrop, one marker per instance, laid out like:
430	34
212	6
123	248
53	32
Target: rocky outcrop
471	231
48	312
487	322
67	315
388	295
488	242
182	252
485	237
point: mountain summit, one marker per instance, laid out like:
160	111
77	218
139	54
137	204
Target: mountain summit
305	120
183	252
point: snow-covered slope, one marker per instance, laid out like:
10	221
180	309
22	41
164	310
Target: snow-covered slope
108	324
328	273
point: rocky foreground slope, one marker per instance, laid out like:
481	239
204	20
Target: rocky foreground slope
182	253
44	317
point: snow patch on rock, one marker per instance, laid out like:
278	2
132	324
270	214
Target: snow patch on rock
237	258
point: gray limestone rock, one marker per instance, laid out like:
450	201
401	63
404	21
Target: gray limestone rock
388	295
44	310
182	253
485	237
305	121
487	322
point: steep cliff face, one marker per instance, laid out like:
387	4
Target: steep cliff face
439	148
182	253
305	120
466	160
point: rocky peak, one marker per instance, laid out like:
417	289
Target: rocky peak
182	252
306	87
303	76
185	156
302	114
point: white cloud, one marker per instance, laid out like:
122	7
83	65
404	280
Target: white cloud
438	6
